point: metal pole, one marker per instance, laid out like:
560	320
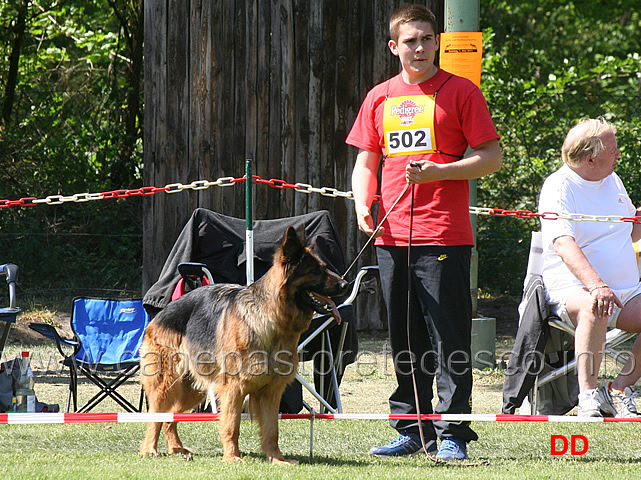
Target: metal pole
463	16
249	223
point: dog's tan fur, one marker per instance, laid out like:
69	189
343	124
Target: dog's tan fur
237	341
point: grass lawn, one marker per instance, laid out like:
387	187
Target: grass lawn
511	450
505	450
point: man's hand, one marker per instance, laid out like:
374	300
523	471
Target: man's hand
603	302
366	222
422	171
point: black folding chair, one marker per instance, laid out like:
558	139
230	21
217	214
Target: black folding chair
211	248
329	363
107	337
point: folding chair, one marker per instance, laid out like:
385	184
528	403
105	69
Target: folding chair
548	371
8	314
328	360
107	336
215	243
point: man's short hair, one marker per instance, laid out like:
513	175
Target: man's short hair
585	139
411	13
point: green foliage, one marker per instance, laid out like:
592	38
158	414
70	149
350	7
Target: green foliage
546	65
66	133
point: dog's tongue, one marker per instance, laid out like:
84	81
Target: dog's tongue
328	301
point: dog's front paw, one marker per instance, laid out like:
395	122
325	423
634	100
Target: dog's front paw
148	452
187	453
232	459
283	461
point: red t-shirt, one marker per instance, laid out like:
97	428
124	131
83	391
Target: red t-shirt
441	209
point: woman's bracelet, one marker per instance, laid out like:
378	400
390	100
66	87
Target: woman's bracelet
596	287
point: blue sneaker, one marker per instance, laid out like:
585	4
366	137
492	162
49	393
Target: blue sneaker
452	449
405	444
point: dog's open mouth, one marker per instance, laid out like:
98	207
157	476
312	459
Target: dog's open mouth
323	305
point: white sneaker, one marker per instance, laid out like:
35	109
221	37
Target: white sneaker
619	404
589	404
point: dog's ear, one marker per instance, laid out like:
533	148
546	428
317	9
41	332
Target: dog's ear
292	246
301	234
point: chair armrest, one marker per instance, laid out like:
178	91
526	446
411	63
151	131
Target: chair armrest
356	283
321	321
10	271
195	269
51	333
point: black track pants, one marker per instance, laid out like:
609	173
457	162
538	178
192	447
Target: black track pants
440	333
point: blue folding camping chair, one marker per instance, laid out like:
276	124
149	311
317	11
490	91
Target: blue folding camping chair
107	337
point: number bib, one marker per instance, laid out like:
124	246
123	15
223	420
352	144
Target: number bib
408	125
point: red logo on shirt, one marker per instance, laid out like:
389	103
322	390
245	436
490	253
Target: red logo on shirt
406	111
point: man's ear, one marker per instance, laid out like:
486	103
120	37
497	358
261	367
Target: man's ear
292	246
393	47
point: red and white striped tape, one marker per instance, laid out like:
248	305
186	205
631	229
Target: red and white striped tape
42	418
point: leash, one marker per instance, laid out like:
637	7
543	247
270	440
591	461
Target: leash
407	323
414	384
373	235
409	290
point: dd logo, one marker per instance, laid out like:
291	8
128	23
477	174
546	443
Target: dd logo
564	444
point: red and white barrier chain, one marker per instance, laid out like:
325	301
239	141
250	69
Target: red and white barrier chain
171	188
281	184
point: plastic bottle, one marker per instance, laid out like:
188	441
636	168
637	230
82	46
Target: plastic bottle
25	395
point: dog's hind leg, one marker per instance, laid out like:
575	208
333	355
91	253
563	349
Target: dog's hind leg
264	406
168	393
230	398
184	398
152	382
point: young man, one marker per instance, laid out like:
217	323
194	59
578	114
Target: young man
589	268
420	123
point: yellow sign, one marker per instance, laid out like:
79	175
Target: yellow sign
461	53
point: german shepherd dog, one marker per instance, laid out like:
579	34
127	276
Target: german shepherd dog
235	341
